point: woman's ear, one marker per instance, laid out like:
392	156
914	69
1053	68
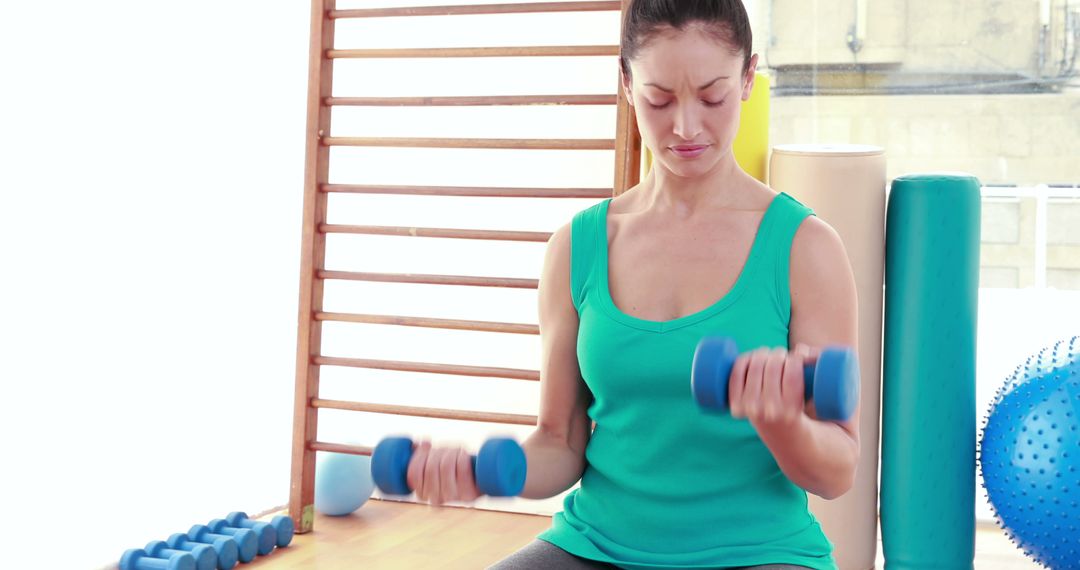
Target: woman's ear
748	80
626	86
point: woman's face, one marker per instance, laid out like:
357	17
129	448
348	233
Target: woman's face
686	91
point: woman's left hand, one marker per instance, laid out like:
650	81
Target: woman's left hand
767	387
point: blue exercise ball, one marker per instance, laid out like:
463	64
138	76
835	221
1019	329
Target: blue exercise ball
342	483
1030	456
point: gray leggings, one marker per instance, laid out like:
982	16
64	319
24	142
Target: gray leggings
541	555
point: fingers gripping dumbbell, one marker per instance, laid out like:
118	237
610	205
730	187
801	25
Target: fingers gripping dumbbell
833	383
204	555
228	553
139	559
499	468
282	525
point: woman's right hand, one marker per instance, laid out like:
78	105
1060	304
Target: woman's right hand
441	474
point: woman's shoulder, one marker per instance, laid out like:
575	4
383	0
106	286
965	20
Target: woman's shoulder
815	233
561	238
817	248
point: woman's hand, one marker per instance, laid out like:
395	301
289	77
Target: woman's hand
767	387
441	474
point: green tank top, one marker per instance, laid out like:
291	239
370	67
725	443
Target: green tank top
666	485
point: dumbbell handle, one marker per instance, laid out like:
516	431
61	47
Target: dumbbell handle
265	537
138	559
204	555
499	469
228	552
809	371
283	526
245	540
167	553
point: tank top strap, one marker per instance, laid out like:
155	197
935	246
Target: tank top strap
584	249
787	214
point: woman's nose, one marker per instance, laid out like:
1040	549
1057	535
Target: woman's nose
688	122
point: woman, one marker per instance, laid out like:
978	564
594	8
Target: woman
627	290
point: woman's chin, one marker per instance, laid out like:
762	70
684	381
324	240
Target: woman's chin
688	170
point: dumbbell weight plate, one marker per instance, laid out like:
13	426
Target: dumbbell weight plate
835	386
500	468
711	368
390	464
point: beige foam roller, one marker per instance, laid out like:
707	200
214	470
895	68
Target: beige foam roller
845	186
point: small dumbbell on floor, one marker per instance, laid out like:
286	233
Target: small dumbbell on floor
265	537
283	526
499	468
832	384
139	559
204	555
228	552
244	538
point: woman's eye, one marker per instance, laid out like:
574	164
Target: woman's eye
707	104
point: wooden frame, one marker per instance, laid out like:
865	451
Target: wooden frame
313	273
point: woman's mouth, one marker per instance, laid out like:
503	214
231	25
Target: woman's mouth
689	151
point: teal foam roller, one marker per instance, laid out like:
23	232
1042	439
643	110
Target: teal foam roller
928	393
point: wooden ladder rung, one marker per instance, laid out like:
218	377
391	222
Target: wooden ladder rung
340	448
450	233
424	279
514	419
532	7
493	51
475	100
430	368
473	191
427	322
430	142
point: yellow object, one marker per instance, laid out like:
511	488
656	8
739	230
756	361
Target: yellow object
751	144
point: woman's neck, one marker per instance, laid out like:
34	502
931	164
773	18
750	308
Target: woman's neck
723	187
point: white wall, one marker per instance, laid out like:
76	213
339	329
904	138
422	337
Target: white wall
151	161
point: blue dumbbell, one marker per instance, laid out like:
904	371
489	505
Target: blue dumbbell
244	538
138	559
282	525
499	468
265	537
228	553
204	555
833	383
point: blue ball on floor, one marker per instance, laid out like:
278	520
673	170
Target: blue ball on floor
342	483
1030	456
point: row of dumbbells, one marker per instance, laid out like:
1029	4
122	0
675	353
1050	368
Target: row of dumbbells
221	545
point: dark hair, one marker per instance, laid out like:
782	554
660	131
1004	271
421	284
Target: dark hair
724	20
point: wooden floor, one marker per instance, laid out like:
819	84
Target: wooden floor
392	535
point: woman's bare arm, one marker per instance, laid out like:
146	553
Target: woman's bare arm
819	456
555	452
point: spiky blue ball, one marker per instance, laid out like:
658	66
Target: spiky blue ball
1030	456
